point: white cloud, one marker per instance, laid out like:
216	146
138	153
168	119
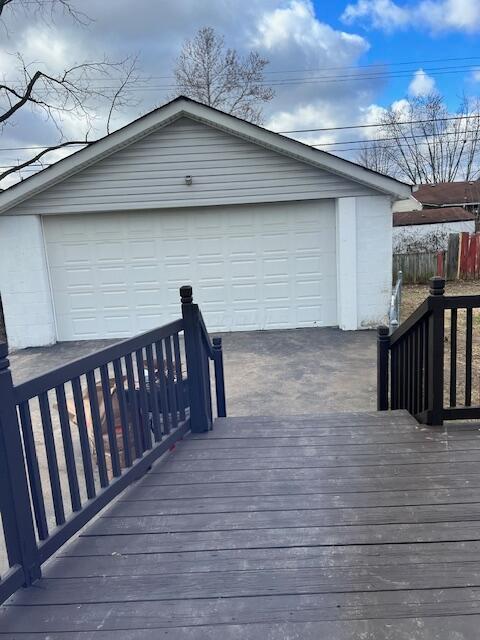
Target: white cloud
383	14
435	15
287	32
421	85
292	37
296	26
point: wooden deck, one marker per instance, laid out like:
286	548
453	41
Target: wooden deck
333	527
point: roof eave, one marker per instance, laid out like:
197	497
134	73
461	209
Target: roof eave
212	117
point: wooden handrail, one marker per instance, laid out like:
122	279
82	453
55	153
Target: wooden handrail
129	402
55	377
422	312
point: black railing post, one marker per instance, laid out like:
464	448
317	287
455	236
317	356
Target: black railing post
194	355
15	506
383	345
219	378
436	335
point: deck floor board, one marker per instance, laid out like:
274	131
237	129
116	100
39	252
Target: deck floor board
340	526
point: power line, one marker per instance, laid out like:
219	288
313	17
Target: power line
403	137
364	141
332	68
324	129
333	79
366	126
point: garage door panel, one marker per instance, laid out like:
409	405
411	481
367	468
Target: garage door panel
82	326
82	301
252	267
72	253
246	268
144	274
242	246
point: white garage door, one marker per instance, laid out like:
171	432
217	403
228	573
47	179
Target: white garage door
251	266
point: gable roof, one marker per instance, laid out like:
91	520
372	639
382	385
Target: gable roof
431	216
449	193
186	107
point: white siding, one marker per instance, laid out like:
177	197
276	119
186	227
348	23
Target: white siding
150	174
24	283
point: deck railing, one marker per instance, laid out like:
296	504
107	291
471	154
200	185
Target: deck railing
73	438
416	361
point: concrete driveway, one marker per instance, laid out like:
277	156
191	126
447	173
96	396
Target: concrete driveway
267	372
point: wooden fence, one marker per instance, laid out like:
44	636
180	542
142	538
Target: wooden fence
460	261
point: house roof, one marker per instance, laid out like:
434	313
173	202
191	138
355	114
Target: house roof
431	216
449	193
185	107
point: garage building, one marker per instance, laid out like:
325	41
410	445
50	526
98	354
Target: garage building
271	233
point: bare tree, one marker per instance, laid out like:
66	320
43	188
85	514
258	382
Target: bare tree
77	92
220	78
423	142
377	157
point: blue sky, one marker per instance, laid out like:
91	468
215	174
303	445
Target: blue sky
335	38
416	41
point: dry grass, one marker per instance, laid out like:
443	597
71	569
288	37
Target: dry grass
413	296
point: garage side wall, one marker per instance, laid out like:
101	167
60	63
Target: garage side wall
374	259
24	283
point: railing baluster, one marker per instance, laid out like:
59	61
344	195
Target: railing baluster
171	383
468	360
393	381
110	420
419	406
395	378
97	428
453	358
153	391
142	390
383	343
34	478
415	370
410	371
426	397
132	401
220	378
179	376
68	448
83	437
52	462
122	404
162	384
208	386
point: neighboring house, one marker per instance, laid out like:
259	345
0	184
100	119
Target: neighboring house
450	194
428	229
443	194
271	233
